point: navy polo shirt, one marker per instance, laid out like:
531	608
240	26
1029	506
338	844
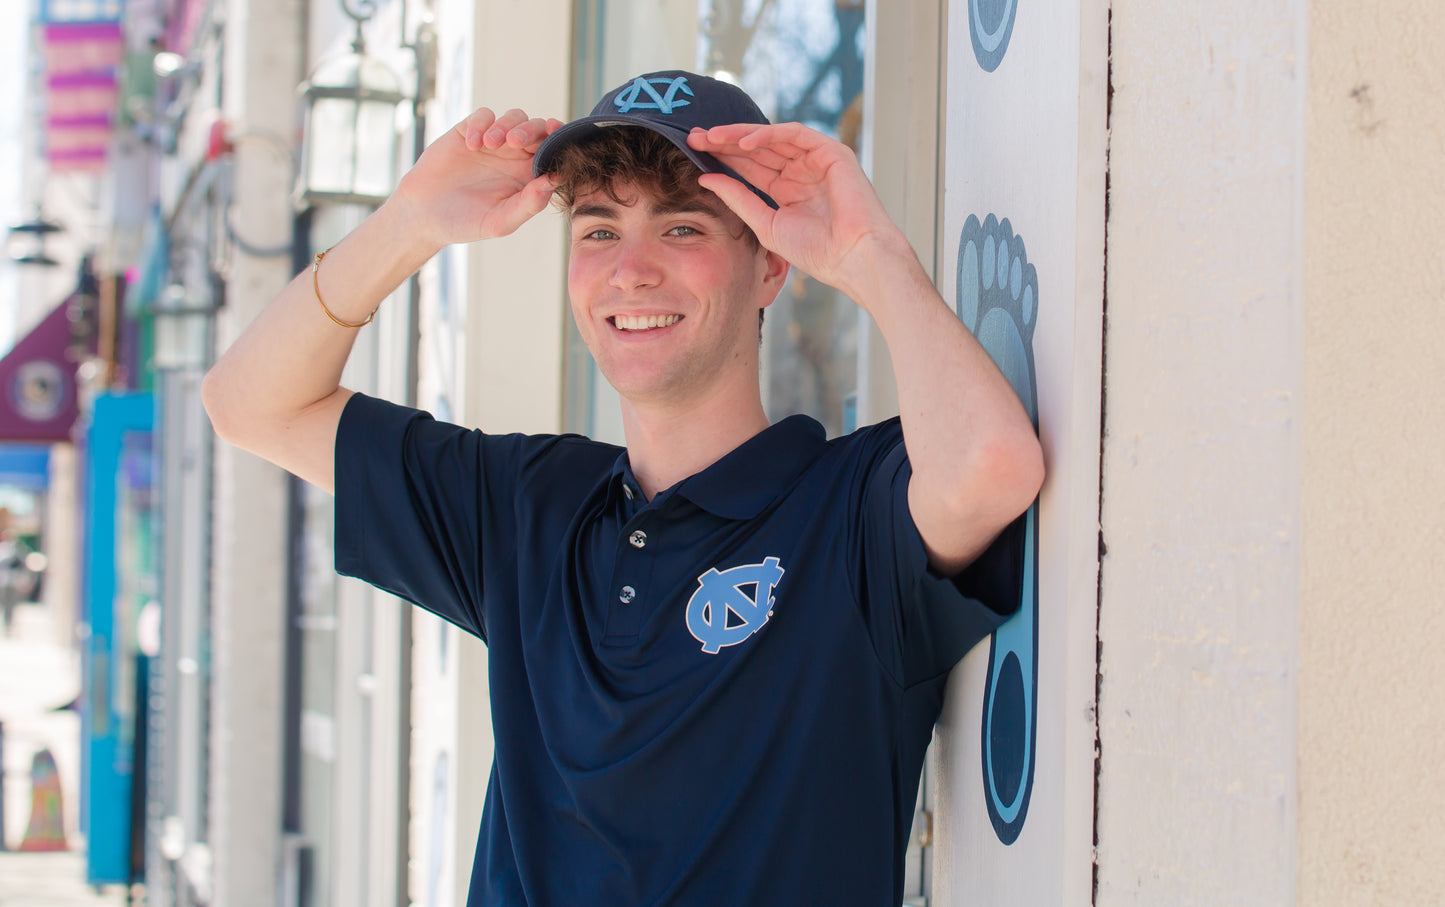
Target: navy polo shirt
719	696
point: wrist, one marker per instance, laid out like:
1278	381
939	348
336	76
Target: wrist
368	264
880	267
405	222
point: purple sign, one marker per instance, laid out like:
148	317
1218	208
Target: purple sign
37	384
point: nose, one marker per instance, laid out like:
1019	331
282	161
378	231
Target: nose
635	266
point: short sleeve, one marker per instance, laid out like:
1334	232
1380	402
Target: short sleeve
417	503
923	623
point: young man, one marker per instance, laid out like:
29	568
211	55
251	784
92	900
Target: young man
716	655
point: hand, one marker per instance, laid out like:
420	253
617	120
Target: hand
475	182
829	218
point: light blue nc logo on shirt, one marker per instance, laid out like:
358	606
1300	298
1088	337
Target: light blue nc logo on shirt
641	95
720	594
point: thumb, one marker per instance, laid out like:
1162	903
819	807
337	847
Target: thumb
743	202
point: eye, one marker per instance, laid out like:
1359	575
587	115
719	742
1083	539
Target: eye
600	234
683	230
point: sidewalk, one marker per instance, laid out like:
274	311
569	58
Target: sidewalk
36	675
50	880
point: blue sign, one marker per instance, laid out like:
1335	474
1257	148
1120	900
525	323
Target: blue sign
119	437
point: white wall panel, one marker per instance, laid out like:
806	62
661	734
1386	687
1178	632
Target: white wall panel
1021	259
1199	593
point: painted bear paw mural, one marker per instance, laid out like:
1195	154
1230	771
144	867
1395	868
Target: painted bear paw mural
990	25
998	301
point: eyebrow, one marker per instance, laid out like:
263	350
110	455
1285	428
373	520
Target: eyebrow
695	206
602	211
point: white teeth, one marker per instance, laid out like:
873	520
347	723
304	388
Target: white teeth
644	322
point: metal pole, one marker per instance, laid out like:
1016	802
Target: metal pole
2	788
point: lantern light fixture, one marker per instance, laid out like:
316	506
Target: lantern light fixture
182	330
350	145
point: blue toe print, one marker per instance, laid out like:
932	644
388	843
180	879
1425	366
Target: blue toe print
997	300
990	25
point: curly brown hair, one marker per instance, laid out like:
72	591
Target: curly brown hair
618	156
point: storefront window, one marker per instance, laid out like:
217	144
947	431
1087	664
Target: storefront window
800	60
315	624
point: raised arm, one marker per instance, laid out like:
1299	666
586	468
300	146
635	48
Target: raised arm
276	392
976	460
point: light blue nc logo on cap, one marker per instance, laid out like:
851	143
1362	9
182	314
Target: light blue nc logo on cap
641	95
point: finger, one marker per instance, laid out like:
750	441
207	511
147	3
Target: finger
496	136
763	170
756	135
473	127
549	126
760	165
532	133
771	149
785	150
764	157
705	139
743	202
794	135
527	136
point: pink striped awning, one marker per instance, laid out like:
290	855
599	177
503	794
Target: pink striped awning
82	61
83	47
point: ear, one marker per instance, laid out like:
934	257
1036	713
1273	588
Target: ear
775	274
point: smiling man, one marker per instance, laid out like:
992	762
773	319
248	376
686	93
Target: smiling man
716	654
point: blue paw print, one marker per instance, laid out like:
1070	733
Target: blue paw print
990	25
998	300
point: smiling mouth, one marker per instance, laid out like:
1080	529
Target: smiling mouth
643	322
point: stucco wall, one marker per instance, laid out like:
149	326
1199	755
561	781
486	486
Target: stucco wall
1372	641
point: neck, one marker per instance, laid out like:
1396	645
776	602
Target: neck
666	444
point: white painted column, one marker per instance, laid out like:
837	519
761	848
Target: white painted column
517	285
60	591
1197	798
263	67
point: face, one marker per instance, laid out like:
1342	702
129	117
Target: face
667	299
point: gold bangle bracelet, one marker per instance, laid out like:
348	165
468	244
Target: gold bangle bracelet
316	285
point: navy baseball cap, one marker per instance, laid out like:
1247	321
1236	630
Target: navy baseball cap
670	103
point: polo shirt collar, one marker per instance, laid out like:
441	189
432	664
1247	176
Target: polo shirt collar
749	478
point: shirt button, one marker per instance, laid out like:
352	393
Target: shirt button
627	491
638	539
627	595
